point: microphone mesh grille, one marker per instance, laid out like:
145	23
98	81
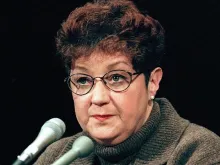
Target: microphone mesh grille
57	125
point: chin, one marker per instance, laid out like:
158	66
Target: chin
104	138
107	139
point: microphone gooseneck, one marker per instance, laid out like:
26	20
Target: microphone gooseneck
51	131
81	147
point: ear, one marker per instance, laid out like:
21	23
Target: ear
154	81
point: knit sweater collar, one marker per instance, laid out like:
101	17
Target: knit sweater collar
125	151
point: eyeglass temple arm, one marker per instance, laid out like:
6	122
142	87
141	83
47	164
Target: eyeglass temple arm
137	74
66	79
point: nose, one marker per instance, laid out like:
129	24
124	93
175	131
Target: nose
100	94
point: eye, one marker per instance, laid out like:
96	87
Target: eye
83	81
117	77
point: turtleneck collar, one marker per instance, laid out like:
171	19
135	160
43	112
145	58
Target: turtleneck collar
124	151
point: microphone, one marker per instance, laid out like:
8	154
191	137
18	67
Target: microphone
81	147
51	131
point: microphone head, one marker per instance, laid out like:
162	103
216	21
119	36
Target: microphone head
51	131
57	125
83	145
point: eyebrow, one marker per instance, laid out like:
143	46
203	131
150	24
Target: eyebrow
81	68
110	66
117	63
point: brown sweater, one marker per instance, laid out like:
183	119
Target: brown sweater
165	138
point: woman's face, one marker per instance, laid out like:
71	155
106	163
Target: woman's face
110	117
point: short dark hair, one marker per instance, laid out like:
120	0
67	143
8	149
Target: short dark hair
112	26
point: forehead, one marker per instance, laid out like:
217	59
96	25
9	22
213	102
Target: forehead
102	62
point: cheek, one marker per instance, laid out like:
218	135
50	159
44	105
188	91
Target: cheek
127	104
133	103
81	105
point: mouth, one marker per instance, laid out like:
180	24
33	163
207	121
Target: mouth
102	117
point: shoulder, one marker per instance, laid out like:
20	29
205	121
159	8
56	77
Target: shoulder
200	137
198	144
200	133
56	149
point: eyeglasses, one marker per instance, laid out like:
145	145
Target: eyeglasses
115	80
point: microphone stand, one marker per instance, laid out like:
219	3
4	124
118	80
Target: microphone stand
19	162
64	160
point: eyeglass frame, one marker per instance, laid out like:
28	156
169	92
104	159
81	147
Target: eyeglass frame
68	79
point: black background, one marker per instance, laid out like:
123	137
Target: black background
32	87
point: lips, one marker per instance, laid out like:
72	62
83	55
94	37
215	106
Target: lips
102	117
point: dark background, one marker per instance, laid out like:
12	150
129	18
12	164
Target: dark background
32	87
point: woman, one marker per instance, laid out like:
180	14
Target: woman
112	53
